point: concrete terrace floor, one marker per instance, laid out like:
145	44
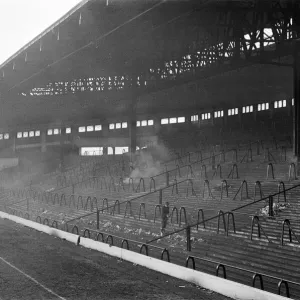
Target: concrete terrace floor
34	265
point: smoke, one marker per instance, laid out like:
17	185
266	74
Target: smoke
148	162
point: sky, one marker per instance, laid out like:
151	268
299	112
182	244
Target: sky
23	20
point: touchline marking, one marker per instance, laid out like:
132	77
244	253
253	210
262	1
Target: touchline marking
32	279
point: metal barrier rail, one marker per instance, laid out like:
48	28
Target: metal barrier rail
255	274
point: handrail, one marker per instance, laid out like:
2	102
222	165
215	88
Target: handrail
174	208
270	165
231	173
255	274
221	213
222	188
216	216
142	205
255	220
291	232
292	168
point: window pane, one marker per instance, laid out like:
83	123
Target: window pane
138	123
56	131
81	129
236	111
68	130
31	133
229	112
6	136
150	122
89	128
216	114
164	121
208	115
181	119
173	120
1	136
284	103
124	125
50	132
243	110
279	103
144	123
37	133
98	127
275	104
267	105
19	135
118	125
111	126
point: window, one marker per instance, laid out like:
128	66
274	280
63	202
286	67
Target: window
247	109
110	150
194	118
138	123
89	128
111	126
150	122
6	136
124	125
280	104
164	121
293	101
98	127
31	133
37	133
25	134
68	130
233	111
144	123
181	119
173	120
19	135
81	129
263	106
56	131
121	150
205	116
1	136
118	125
50	132
91	151
219	114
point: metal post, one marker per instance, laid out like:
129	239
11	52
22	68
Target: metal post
167	179
98	218
271	211
188	239
27	204
160	197
296	122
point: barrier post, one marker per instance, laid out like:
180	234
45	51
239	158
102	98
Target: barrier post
98	219
160	197
271	211
188	239
27	204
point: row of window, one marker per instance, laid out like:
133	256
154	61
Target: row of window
117	125
144	123
235	111
29	134
89	128
172	120
4	136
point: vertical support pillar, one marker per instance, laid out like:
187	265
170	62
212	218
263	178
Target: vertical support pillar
296	121
43	141
62	148
132	119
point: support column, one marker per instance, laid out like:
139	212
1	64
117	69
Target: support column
296	123
43	141
132	119
62	149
